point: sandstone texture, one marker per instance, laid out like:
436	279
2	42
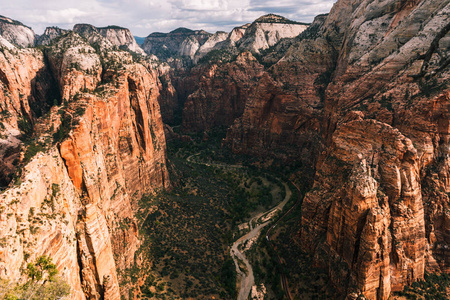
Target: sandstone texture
361	96
102	147
49	35
121	37
220	93
16	33
268	30
109	37
181	41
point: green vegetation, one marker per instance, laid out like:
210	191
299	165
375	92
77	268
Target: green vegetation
305	280
43	283
215	56
433	287
187	231
33	148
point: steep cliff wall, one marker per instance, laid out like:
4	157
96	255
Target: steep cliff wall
101	150
49	35
16	33
376	75
375	218
109	37
221	91
181	41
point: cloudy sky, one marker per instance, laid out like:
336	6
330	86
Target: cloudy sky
143	17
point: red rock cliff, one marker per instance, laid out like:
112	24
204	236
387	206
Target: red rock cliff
109	149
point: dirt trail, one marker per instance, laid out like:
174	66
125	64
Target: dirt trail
261	220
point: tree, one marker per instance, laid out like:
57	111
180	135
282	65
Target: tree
43	283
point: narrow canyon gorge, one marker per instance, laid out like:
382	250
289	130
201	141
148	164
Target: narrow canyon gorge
352	110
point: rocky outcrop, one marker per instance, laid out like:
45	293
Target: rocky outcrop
268	30
284	112
221	92
181	41
265	32
370	211
16	33
91	34
100	150
109	37
376	214
27	91
49	35
76	65
121	37
210	44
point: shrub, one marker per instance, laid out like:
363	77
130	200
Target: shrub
43	283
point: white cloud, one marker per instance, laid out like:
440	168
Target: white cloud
143	17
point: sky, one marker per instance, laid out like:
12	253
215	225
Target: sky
143	17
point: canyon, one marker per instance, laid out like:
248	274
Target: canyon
354	107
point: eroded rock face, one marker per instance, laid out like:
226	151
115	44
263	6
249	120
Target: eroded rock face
268	30
73	196
221	93
50	34
378	206
371	210
383	233
16	33
283	115
181	41
121	37
210	44
27	91
109	37
76	65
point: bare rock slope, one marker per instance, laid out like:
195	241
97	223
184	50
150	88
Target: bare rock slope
16	33
93	147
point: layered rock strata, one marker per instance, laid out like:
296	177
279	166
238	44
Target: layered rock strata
101	150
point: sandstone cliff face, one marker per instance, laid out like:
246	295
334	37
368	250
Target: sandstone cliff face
268	30
380	96
49	35
109	37
220	93
371	211
389	67
119	36
284	112
75	64
16	33
27	91
210	44
181	41
74	197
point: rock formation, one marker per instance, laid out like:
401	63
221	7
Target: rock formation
362	97
16	33
265	32
374	215
181	41
121	37
101	147
109	37
49	35
220	93
268	30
